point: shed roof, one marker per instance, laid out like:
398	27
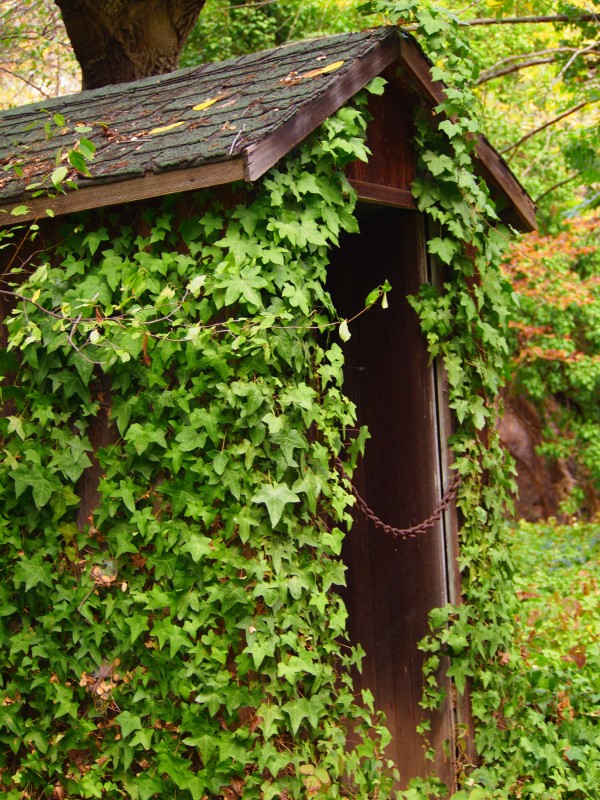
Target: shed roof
207	125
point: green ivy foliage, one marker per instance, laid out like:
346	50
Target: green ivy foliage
190	634
186	641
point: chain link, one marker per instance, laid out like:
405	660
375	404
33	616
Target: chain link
414	530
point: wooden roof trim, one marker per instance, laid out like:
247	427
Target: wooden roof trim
416	64
262	155
493	165
255	160
142	188
383	195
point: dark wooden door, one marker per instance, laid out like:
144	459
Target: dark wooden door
393	584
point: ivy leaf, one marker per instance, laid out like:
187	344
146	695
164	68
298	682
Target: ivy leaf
58	176
77	160
344	331
445	249
245	522
260	649
275	498
269	714
42	483
245	285
129	722
143	436
137	625
310	484
197	546
208	745
196	284
32	572
142	736
143	786
438	164
15	425
303	708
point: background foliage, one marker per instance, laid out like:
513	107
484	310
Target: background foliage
556	348
558	621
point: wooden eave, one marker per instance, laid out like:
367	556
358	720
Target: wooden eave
128	191
253	161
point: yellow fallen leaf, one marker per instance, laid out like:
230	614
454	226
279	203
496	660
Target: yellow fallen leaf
322	70
166	128
205	104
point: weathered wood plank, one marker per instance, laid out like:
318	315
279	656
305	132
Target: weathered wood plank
383	195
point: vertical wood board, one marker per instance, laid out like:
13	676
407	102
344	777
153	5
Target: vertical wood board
393	584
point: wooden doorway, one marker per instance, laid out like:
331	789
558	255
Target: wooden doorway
392	584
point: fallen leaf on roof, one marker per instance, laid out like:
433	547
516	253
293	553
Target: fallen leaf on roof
211	100
322	70
166	128
205	104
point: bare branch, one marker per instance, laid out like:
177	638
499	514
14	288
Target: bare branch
25	80
510	64
530	20
534	54
489	76
591	48
566	113
555	186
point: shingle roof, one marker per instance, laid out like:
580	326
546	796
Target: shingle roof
213	124
187	118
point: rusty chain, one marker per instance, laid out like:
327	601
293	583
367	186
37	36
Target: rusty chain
402	533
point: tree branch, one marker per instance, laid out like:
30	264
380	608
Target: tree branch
531	59
566	113
553	187
534	54
25	80
489	76
530	20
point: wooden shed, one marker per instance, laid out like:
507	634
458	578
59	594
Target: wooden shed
220	123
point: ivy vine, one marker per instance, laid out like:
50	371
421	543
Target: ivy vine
186	641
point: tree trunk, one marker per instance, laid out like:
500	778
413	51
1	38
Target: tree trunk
123	40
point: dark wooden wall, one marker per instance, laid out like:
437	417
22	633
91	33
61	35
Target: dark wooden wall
393	584
388	175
